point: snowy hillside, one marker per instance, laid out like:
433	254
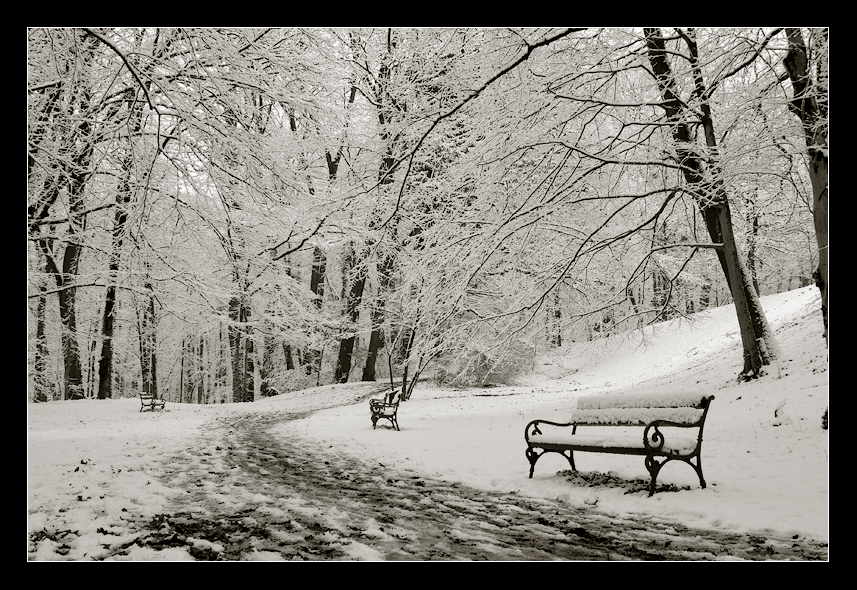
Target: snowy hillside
765	454
764	471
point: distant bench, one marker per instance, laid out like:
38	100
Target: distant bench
653	412
385	408
147	400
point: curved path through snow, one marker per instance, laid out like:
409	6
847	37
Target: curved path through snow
252	495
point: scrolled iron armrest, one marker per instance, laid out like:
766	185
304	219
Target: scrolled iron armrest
379	405
657	436
536	430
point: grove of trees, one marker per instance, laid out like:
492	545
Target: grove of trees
215	215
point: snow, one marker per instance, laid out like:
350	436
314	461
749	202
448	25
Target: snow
93	464
637	415
652	400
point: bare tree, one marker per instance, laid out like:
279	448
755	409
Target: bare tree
705	182
810	104
61	143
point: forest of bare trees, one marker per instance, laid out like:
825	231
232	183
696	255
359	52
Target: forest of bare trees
216	215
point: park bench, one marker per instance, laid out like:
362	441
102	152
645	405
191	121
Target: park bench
147	400
652	412
386	408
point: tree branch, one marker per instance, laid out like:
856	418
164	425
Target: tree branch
130	67
410	157
36	223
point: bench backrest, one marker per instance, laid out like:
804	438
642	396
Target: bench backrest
638	410
390	399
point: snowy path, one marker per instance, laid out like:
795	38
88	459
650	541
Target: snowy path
252	495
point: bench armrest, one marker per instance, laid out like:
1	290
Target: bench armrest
377	403
654	439
533	427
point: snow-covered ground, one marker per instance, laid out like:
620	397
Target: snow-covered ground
765	455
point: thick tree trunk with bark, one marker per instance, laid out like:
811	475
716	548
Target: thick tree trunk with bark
42	385
388	111
105	364
354	281
73	375
123	199
148	345
752	243
316	284
759	344
376	338
242	351
267	365
809	104
408	386
704	181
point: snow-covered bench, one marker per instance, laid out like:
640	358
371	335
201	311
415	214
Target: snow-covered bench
385	409
147	400
653	412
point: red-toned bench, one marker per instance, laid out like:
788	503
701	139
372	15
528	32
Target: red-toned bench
652	412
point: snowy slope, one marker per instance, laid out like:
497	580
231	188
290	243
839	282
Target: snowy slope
765	455
763	471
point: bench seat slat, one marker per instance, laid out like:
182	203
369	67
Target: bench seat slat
629	444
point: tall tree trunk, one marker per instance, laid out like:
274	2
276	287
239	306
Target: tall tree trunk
105	364
42	385
705	296
235	343
388	111
267	365
752	242
809	104
378	316
200	371
354	281
148	344
287	353
123	199
316	285
77	173
555	320
352	286
73	374
241	345
249	370
70	103
224	361
376	339
705	183
408	386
